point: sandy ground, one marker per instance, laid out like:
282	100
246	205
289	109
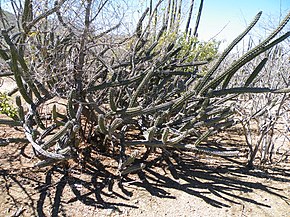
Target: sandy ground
196	185
7	84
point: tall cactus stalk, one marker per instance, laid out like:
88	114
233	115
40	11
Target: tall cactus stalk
125	91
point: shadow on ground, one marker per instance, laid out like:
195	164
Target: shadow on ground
57	189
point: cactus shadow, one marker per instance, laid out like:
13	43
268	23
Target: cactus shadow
219	186
222	185
88	186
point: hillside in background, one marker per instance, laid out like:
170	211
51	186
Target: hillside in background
8	18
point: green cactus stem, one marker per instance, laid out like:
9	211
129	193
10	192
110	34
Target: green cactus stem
191	147
256	72
241	62
241	90
206	78
16	57
154	144
165	135
39	121
70	109
116	83
150	133
40	150
55	115
113	105
133	169
129	160
148	74
114	125
204	136
19	82
101	124
57	135
178	139
20	108
50	162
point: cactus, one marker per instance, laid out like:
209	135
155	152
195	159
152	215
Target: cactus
206	78
112	102
101	124
148	74
129	160
133	168
20	108
256	72
57	135
137	91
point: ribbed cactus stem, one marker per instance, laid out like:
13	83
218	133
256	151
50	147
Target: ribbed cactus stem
54	115
219	118
135	111
165	135
204	136
241	62
133	168
150	133
277	30
39	121
150	49
241	90
219	110
16	57
70	109
148	74
18	80
57	135
20	108
115	124
116	83
130	159
46	132
256	72
208	150
178	139
101	124
189	124
50	162
206	78
154	143
113	105
40	150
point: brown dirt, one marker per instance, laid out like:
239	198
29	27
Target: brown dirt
197	185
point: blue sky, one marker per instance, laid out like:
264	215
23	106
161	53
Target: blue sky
230	16
234	15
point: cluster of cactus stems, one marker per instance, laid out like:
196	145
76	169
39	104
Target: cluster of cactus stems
148	91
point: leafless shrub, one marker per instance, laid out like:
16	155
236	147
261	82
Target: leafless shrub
264	116
120	90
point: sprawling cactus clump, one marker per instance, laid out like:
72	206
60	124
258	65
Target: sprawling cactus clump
120	92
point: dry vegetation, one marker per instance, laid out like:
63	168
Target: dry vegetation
99	114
